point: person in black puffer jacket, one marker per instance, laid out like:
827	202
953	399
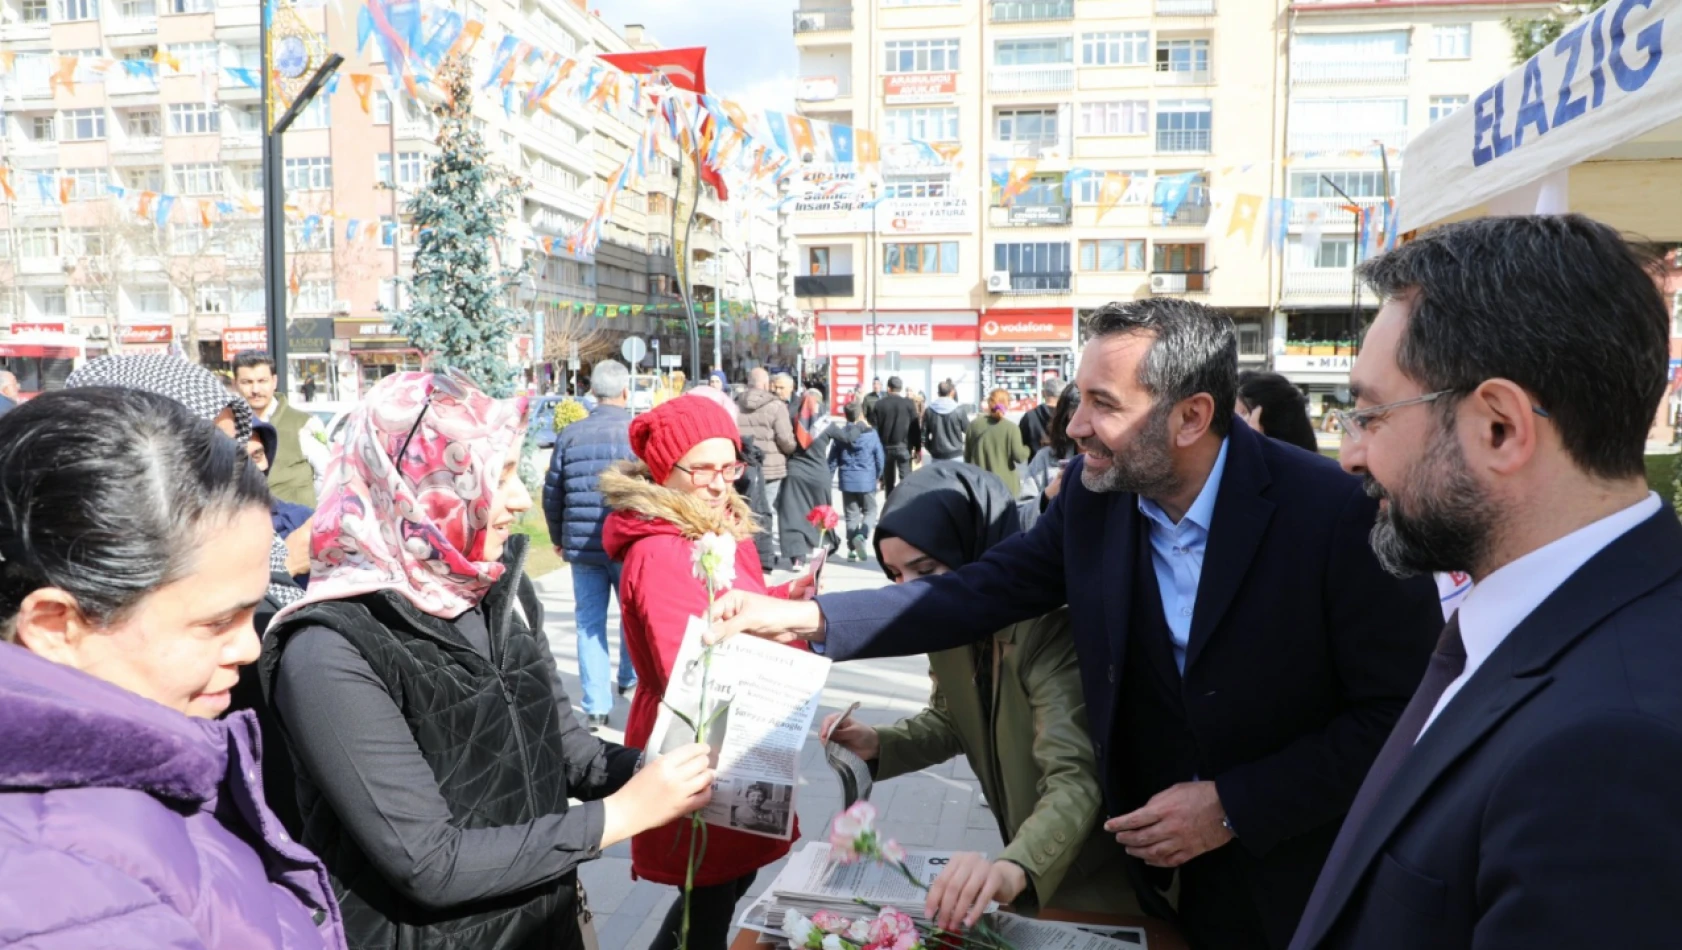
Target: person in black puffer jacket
573	507
436	750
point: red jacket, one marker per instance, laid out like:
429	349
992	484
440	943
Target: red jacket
652	533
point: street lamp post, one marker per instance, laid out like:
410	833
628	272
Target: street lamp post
274	198
753	294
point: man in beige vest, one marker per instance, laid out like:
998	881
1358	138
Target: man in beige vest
301	453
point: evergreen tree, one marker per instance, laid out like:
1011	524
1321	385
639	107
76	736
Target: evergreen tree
457	311
1531	35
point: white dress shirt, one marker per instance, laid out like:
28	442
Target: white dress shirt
1500	602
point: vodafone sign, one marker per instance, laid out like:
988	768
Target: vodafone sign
1028	326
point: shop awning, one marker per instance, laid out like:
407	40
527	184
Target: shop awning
1593	124
39	351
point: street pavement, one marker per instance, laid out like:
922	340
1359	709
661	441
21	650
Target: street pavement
940	807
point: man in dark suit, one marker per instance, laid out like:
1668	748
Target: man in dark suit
897	423
1242	653
1531	794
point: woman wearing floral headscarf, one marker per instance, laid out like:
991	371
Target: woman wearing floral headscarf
436	749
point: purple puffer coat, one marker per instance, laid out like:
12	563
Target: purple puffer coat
126	824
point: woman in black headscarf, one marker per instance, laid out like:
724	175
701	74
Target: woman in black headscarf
1012	704
808	483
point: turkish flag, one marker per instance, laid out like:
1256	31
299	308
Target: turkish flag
684	68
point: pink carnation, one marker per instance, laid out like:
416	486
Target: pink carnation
830	922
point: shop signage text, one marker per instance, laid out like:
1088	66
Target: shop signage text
923	332
148	334
235	342
1313	364
920	87
22	328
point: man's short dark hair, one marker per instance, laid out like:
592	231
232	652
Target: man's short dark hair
855	411
946	388
1561	305
1195	350
895	384
251	359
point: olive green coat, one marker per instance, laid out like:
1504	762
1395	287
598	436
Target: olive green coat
996	445
1034	761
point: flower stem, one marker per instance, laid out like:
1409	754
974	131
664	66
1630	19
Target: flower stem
697	827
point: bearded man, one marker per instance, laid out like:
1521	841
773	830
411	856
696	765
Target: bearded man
1243	654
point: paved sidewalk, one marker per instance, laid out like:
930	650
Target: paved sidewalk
938	807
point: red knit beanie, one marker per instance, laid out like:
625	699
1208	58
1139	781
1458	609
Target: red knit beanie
662	436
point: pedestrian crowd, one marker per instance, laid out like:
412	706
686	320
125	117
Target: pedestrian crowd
259	691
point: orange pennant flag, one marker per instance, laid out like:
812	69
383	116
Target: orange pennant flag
1021	172
1246	209
144	208
164	57
1110	192
864	147
65	186
363	83
292	283
6	183
204	212
66	74
800	135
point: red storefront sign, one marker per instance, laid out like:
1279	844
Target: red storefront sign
235	342
136	335
1051	325
20	329
920	87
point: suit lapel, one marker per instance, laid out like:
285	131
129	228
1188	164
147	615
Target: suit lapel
1236	531
1632	566
1118	571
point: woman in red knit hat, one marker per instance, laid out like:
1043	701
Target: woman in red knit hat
681	489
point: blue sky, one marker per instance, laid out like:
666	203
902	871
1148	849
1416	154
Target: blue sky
750	44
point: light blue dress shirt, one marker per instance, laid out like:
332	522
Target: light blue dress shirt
1177	554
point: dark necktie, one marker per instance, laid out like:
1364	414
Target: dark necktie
1447	663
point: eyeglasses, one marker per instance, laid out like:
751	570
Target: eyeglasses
702	476
1354	422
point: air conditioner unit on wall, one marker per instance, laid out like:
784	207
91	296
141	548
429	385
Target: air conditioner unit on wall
1168	283
998	281
807	24
98	332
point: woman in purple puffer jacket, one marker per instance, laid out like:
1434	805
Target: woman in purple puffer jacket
134	549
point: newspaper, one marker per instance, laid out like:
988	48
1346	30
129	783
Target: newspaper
1025	934
761	698
853	771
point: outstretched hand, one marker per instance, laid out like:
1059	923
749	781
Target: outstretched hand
785	621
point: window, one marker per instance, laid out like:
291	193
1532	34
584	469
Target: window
388	231
82	125
246	298
320	235
1349	47
1089	190
382	109
52	302
315	296
196	57
8	303
1451	41
41	129
244	57
246	119
411	169
143	179
1044	51
1177	259
1444	106
244	239
34	11
1115	49
84	242
1034	265
1026	125
195	118
308	174
316	115
201	178
87	302
138	9
1355	184
1038	190
143	124
1183	57
191	6
247	177
1183	126
1115	118
916	187
1332	253
87	184
195	239
934	258
78	9
153	300
937	124
34	70
38	242
1353	121
920	56
213	299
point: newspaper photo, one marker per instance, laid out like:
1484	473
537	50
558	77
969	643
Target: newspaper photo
1025	934
760	701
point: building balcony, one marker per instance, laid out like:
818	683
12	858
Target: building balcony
1383	69
1032	11
1031	214
822	88
1165	282
1328	212
1053	78
33	155
1187	215
1185	7
1043	282
1365	142
123	31
416	131
125	91
1182	77
1030	148
1183	140
1325	283
823	20
234	15
826	285
25	32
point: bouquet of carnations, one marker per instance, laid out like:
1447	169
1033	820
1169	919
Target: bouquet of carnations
828	930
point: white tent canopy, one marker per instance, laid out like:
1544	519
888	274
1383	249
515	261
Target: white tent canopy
1592	124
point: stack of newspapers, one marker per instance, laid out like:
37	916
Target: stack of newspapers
814	881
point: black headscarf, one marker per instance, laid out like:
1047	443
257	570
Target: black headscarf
951	511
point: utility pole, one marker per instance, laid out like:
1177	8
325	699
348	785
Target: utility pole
274	191
1355	261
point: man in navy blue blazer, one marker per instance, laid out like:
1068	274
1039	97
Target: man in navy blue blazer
1531	793
1243	654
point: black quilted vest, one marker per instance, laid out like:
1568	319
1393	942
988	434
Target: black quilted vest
490	732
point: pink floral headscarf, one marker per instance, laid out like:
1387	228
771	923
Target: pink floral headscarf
414	526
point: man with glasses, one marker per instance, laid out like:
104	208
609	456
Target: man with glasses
1528	796
1243	655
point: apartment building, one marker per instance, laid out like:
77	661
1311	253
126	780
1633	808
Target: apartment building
1362	79
80	277
1087	106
